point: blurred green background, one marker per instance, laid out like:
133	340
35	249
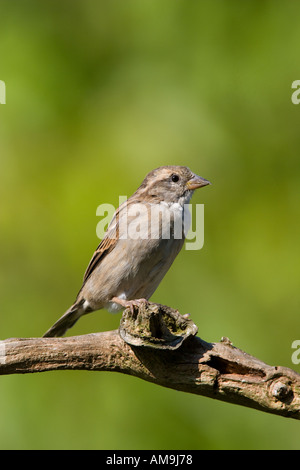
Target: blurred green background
98	94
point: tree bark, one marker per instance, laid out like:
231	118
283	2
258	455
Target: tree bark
216	370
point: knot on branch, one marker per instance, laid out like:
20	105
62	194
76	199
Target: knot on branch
155	326
281	390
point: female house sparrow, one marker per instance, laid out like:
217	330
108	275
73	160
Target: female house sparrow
141	242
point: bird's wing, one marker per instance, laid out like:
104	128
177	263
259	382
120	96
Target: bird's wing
110	239
106	246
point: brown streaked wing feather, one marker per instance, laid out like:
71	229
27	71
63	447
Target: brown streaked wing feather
111	237
106	246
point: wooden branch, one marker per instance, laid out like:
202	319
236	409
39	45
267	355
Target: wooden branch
216	370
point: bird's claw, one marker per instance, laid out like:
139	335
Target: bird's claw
135	303
130	303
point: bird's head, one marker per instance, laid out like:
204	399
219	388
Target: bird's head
170	184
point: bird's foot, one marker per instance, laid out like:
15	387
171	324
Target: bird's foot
130	303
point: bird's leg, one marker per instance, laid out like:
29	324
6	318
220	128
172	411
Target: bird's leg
129	303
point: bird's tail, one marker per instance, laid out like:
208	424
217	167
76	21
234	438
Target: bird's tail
66	321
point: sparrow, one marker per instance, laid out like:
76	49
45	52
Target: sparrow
141	242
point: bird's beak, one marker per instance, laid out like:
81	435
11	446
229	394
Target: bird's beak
197	182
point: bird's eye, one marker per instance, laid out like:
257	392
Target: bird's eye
175	178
